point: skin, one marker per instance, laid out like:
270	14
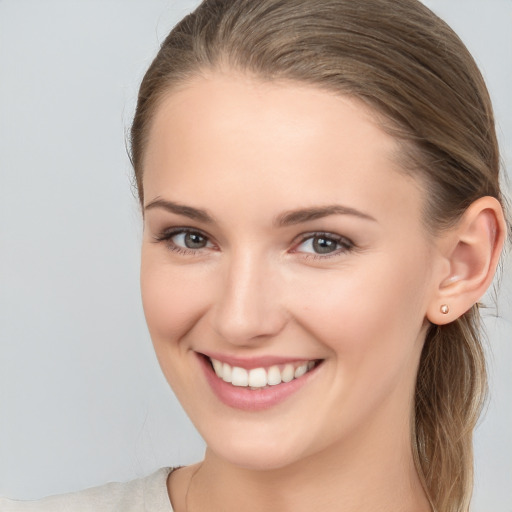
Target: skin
247	152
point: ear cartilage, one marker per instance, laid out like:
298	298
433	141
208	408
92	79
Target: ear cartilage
445	309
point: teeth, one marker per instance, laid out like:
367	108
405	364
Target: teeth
288	373
274	376
226	372
300	370
258	378
239	377
217	366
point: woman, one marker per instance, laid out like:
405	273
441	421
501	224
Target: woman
322	213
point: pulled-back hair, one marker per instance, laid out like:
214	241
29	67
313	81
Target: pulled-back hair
416	74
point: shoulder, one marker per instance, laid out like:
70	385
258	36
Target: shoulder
141	495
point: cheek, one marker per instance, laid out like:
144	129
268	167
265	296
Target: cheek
372	312
371	322
173	299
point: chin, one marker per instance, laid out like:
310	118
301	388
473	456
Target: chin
254	457
257	450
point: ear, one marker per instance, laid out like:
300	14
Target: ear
471	252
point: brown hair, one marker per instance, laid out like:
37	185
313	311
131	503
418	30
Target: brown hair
412	69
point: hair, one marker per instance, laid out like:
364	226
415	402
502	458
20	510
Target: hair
412	70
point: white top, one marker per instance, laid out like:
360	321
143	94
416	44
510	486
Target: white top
147	494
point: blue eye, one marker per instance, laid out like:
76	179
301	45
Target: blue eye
324	244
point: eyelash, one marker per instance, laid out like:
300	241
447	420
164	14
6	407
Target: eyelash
167	235
345	244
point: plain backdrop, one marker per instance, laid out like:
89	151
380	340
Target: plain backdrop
82	400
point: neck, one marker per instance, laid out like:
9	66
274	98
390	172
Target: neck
363	474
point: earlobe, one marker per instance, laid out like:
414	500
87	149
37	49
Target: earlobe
472	249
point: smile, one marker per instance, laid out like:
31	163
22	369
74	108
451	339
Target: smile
262	384
259	378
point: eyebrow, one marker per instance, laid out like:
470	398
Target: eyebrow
307	214
181	209
288	218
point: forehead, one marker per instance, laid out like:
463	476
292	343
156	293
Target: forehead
289	142
234	106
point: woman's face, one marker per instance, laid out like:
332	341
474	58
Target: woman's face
280	237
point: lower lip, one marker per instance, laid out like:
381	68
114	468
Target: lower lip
252	399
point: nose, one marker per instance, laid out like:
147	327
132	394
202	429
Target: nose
248	306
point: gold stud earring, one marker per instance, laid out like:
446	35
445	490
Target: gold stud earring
445	309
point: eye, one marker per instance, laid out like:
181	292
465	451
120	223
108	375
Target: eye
324	244
184	240
190	240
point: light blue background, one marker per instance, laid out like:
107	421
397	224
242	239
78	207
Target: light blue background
82	400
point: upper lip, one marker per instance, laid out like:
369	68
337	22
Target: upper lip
254	362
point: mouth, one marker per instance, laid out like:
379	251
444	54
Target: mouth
262	377
262	385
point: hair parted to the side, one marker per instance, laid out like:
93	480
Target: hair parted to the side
412	69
